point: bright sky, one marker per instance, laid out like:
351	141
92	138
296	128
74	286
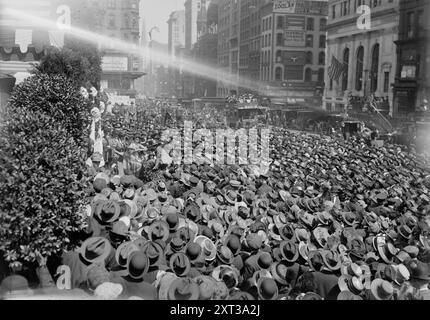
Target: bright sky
157	12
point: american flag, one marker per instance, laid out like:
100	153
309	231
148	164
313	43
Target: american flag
336	69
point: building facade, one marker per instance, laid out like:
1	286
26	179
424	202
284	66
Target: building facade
121	69
228	46
206	52
195	24
176	47
176	29
368	54
293	51
412	82
22	41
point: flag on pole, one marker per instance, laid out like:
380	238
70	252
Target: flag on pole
336	69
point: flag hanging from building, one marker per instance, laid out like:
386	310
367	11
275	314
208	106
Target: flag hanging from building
336	69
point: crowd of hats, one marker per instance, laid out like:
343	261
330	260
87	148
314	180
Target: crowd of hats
215	232
226	232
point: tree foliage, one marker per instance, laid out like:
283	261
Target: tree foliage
77	61
42	161
57	97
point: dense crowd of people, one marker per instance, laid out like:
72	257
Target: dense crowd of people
331	219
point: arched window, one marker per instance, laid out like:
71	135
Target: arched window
278	56
309	57
359	69
321	75
345	73
308	75
321	58
374	69
278	73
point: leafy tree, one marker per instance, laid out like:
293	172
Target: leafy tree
42	161
57	97
79	61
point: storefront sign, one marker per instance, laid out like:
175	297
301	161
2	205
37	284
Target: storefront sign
110	63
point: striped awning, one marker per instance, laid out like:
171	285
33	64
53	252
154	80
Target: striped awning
13	67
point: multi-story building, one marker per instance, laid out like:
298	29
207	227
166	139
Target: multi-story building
176	46
22	41
412	82
293	45
176	30
228	46
366	50
249	40
206	52
195	24
121	69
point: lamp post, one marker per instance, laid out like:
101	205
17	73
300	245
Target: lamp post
151	71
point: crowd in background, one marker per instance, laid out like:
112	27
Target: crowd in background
331	219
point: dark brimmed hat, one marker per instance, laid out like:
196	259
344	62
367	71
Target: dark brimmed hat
154	251
267	289
180	264
315	260
194	252
287	233
289	251
137	264
233	243
95	249
172	219
107	212
285	273
419	270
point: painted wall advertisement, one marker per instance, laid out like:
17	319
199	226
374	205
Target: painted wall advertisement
295	35
110	63
301	7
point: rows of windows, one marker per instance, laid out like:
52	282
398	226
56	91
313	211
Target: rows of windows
308	57
127	22
296	73
359	70
414	26
309	42
348	7
281	23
